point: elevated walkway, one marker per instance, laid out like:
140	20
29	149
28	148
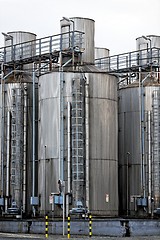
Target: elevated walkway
43	50
131	61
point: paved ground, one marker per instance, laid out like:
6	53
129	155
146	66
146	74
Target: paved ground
11	236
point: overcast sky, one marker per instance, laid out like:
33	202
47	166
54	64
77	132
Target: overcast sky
117	22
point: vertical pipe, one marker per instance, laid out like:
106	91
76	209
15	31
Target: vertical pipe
87	139
127	182
25	147
8	158
69	147
69	155
61	134
2	130
33	137
149	163
61	114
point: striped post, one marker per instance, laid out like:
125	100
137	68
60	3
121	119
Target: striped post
90	225
46	232
69	226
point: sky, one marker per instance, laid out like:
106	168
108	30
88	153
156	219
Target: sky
117	22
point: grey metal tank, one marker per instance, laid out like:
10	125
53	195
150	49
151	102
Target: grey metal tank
145	42
150	43
96	141
18	37
100	56
138	147
85	25
16	137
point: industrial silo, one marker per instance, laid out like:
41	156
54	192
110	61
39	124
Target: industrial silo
139	146
148	47
100	58
77	146
139	133
16	127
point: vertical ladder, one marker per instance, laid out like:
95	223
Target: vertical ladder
78	151
156	146
17	144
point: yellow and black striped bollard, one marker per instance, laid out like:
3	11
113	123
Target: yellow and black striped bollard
46	232
90	225
69	226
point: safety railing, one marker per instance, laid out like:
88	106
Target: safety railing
70	41
130	60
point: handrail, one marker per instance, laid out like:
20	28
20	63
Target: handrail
42	46
129	60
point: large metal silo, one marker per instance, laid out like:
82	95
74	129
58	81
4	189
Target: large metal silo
149	56
16	128
19	43
90	162
85	25
139	120
100	56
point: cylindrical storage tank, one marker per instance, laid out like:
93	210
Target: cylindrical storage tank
16	121
17	52
100	58
96	141
16	142
148	42
85	25
139	129
144	42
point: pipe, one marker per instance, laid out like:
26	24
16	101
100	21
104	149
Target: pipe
2	130
149	164
61	119
87	139
142	137
8	160
69	155
25	148
61	128
127	183
33	135
33	138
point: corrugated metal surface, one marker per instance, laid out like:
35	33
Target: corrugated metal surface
103	161
129	143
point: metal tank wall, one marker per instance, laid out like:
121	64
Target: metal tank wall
103	160
101	53
85	25
17	37
17	133
138	180
151	41
142	43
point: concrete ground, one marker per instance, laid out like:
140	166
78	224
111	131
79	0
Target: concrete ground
12	236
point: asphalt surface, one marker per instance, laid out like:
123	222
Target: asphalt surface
11	236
